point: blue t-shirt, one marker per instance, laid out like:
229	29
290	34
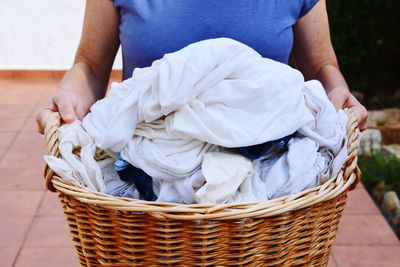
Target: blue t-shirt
151	28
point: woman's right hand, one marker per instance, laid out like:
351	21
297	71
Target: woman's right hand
71	104
87	80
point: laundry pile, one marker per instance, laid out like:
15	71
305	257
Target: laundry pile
211	123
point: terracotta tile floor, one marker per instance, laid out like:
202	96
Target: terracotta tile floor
32	228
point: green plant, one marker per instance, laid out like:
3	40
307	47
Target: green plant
380	167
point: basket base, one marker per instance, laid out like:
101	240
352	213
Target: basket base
104	237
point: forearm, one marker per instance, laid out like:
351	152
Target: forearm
314	56
331	78
96	52
87	80
83	80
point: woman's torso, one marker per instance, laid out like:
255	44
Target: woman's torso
151	28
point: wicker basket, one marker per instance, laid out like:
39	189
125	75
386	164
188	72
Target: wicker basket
296	230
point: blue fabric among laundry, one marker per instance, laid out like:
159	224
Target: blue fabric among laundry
257	151
131	174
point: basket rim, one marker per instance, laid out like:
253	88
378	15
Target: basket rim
347	178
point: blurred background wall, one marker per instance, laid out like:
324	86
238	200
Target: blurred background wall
40	34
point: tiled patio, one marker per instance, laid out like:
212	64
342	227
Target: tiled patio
32	228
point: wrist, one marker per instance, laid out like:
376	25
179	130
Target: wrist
337	89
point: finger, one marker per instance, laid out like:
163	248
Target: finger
42	115
362	117
66	108
360	110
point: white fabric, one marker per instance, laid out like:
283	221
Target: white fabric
328	128
171	120
83	169
162	155
319	151
224	173
98	176
181	190
213	91
299	168
114	185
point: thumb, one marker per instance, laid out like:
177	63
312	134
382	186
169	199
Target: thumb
66	109
360	110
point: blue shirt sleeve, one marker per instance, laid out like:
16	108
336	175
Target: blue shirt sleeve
307	6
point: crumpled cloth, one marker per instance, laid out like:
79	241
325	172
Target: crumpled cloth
174	119
83	168
218	91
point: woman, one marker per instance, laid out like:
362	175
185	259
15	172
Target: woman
147	29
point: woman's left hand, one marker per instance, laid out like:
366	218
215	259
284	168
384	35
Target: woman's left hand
314	56
343	98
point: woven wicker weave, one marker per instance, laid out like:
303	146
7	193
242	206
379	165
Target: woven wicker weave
297	230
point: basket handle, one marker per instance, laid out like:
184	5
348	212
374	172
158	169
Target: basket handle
353	134
51	139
